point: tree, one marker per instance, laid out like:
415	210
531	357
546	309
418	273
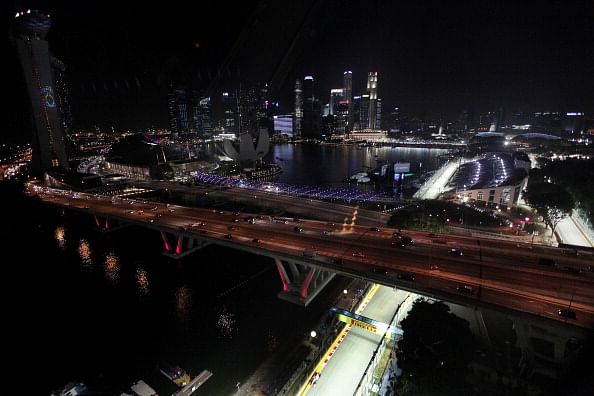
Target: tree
552	201
434	351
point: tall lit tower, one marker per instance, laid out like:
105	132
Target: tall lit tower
177	103
28	35
348	96
336	95
372	90
348	86
297	125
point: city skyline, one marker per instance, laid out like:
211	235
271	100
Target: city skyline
432	60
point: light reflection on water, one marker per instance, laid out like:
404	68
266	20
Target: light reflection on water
142	281
333	165
59	234
112	268
183	303
84	252
226	323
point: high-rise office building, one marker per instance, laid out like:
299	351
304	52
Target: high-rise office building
372	91
230	119
312	117
394	125
341	122
356	106
308	87
177	103
336	95
364	112
264	111
348	85
298	119
202	116
28	35
348	96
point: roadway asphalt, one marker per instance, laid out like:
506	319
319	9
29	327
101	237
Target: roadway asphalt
343	370
570	232
490	271
310	207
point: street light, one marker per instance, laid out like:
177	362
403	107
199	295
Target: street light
313	334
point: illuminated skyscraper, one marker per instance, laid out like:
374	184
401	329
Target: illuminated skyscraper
230	120
312	117
202	116
178	112
348	86
336	95
372	90
348	96
298	120
28	35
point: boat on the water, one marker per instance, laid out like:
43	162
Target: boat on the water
175	374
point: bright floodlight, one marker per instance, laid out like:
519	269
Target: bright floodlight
345	291
313	334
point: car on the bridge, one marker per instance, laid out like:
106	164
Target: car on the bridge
377	229
398	244
256	240
406	240
567	313
455	252
358	254
298	229
228	236
465	289
403	241
326	232
434	267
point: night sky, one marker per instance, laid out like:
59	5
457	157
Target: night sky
434	58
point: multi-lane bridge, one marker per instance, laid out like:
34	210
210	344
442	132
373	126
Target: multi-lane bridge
308	253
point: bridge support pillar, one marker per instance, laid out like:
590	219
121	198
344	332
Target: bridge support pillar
301	282
105	224
183	245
